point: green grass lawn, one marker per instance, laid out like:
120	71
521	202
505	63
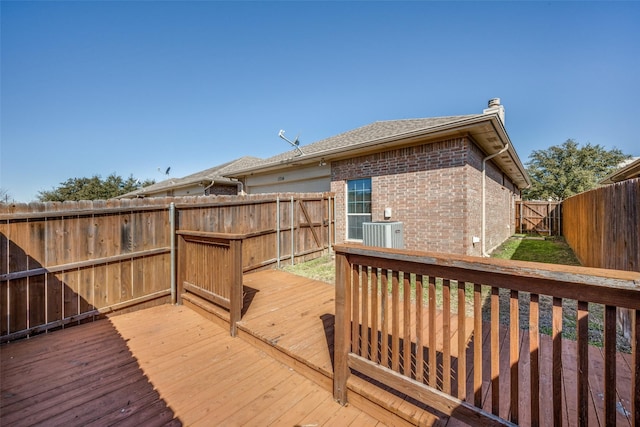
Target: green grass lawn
322	269
552	250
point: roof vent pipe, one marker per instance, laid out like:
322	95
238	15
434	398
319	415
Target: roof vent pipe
494	107
494	102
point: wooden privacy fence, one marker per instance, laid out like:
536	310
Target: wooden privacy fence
62	263
463	336
539	217
602	226
66	262
276	226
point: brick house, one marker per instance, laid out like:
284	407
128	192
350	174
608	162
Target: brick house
452	181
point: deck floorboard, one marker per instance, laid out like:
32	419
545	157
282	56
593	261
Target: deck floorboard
161	366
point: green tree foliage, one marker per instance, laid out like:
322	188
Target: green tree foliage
94	188
561	171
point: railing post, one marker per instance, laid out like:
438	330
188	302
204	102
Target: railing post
342	342
236	297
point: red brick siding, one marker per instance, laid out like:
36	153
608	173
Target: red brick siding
501	194
435	190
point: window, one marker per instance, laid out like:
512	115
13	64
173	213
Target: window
358	206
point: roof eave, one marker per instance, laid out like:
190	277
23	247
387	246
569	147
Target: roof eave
622	174
525	182
369	145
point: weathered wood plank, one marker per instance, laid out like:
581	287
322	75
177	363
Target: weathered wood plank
419	329
407	319
364	320
462	342
395	321
582	330
514	354
343	314
446	336
126	395
534	357
477	345
556	335
432	333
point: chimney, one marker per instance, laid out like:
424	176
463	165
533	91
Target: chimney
495	107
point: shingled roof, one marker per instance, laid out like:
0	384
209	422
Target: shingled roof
360	136
215	174
487	130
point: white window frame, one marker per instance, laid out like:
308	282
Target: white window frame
358	205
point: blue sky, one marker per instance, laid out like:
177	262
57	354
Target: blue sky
129	87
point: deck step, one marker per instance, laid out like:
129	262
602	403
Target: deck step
380	403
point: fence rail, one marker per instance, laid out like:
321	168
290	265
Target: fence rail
464	335
61	263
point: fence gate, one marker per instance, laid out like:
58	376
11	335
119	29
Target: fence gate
534	217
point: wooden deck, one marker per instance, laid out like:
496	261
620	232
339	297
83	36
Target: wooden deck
292	319
167	365
160	366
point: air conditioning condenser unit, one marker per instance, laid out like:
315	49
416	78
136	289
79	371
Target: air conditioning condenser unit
384	234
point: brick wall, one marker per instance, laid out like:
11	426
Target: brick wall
434	189
501	194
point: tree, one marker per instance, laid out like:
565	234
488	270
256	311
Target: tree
561	171
94	188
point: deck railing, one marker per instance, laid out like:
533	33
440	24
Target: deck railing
482	339
210	266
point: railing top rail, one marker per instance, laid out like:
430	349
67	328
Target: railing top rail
18	216
222	236
611	287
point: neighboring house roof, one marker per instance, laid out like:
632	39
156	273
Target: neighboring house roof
629	169
486	129
205	178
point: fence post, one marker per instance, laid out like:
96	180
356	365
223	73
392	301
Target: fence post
342	342
172	232
236	297
329	246
182	265
293	245
520	215
278	230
